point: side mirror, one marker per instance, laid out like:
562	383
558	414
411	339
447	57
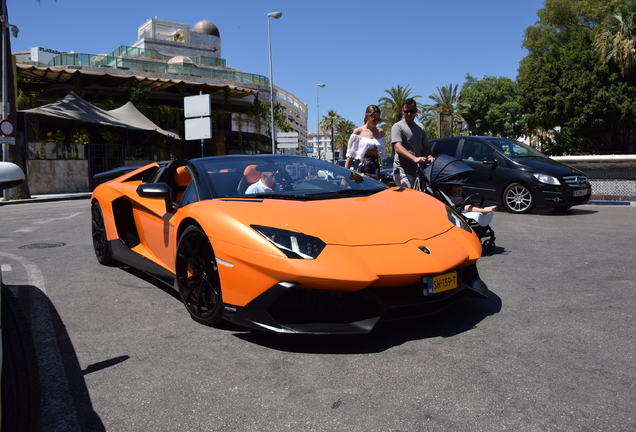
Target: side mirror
156	190
11	175
490	161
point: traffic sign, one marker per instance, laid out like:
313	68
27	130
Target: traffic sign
7	128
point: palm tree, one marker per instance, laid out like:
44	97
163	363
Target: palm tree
344	129
617	42
391	107
447	101
329	123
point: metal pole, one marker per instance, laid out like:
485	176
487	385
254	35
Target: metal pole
318	86
271	86
5	114
274	15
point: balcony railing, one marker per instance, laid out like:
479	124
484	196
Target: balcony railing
158	66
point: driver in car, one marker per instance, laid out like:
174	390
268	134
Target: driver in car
267	182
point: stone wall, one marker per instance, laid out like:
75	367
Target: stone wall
57	176
613	178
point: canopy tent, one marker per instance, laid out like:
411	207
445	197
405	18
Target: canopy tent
73	107
130	114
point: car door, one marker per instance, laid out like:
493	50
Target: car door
482	158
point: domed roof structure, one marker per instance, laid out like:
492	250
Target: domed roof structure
181	61
206	27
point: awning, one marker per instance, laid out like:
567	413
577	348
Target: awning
130	114
48	75
73	107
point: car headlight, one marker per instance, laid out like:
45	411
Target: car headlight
544	178
293	244
457	220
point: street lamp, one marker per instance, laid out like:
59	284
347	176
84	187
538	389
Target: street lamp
318	86
477	125
274	15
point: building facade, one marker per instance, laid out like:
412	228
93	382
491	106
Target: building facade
173	61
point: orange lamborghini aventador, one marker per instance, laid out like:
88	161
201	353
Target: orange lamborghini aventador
286	243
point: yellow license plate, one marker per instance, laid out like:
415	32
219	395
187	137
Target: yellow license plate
441	283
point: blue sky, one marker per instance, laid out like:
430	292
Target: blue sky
357	48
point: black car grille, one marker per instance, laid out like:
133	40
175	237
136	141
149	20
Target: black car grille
301	305
576	181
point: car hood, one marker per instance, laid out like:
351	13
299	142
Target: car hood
547	166
393	216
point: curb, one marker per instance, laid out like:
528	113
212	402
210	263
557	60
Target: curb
618	203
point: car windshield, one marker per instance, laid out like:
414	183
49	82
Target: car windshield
283	177
514	149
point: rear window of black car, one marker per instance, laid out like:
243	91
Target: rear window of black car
447	147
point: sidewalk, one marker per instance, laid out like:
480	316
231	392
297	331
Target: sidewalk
47	198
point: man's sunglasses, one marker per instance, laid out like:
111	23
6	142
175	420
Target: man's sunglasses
411	111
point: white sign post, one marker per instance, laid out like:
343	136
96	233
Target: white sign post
287	140
198	124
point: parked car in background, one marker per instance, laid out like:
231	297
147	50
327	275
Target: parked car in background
386	173
18	360
515	175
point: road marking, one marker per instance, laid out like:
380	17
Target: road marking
5	268
33	272
26	229
45	221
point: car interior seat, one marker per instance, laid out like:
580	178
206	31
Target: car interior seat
250	175
181	180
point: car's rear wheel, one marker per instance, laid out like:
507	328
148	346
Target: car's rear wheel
518	198
198	277
100	242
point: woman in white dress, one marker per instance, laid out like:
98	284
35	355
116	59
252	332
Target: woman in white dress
366	147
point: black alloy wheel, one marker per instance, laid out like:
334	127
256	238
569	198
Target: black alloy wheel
100	243
518	198
198	277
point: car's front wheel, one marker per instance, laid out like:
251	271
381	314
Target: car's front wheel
198	277
518	198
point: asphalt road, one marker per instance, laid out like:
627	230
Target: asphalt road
552	348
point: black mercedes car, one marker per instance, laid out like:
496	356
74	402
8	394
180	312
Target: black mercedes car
386	172
515	175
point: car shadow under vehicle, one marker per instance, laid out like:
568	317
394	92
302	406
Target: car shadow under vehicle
65	401
462	316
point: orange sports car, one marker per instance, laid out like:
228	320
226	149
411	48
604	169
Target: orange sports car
285	243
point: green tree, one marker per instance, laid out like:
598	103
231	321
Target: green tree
391	107
493	100
564	87
329	123
447	101
280	118
617	40
344	129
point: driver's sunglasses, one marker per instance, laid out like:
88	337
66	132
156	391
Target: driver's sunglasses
411	111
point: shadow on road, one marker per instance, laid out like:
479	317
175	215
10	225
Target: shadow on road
460	317
66	404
